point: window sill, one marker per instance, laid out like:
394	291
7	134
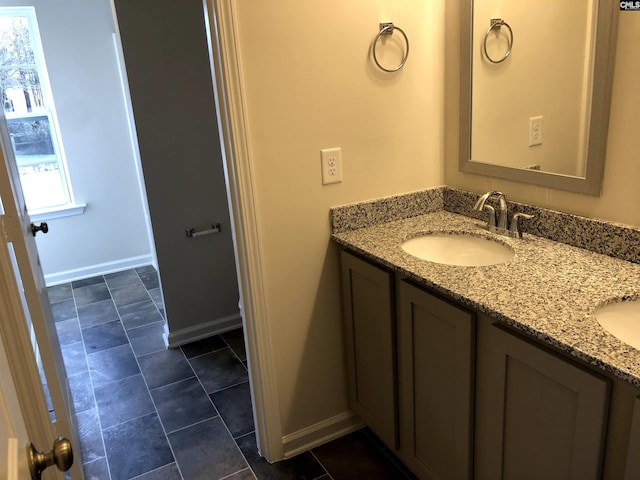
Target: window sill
57	212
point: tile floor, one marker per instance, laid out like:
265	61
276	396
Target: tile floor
151	413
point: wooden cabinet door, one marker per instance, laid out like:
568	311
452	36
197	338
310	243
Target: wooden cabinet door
436	375
632	467
370	345
537	415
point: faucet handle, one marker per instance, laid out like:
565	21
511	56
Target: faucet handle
515	229
492	215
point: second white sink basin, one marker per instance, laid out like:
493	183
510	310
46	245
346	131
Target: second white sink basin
458	249
622	320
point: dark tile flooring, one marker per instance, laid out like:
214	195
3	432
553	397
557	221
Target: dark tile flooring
151	413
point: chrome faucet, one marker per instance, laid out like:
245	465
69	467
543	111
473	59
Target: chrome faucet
498	220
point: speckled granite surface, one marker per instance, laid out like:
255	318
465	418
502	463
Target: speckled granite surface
365	214
549	290
608	238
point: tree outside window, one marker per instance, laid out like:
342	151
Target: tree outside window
28	107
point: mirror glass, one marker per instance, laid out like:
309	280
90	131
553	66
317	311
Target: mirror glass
535	90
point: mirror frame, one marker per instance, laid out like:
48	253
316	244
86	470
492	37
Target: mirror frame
604	52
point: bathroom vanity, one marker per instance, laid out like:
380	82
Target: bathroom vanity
495	371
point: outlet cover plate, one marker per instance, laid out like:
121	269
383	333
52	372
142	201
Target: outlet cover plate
331	165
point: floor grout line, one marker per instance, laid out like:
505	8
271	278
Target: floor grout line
326	472
227	388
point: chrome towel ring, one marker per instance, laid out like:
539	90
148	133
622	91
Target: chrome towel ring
496	24
387	29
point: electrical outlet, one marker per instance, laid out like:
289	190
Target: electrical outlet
535	131
331	165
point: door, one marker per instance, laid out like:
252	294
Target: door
166	55
13	432
27	327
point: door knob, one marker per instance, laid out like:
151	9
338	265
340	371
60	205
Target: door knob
61	455
43	227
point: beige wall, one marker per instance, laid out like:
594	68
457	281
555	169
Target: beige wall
310	84
620	198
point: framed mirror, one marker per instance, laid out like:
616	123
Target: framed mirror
536	89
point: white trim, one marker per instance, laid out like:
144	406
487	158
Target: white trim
97	269
234	136
322	432
67	210
133	132
13	464
203	330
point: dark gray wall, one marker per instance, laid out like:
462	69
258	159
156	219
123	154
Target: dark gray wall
168	67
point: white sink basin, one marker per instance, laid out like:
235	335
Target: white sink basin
458	249
622	320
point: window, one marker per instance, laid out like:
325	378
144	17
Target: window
29	110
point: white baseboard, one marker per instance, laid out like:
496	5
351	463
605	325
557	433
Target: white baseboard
319	433
57	278
203	330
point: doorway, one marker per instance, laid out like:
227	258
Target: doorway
121	230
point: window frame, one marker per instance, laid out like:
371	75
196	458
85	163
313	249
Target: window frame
69	206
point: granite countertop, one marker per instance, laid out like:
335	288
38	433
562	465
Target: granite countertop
549	290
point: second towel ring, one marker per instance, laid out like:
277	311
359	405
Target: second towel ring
497	23
387	29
